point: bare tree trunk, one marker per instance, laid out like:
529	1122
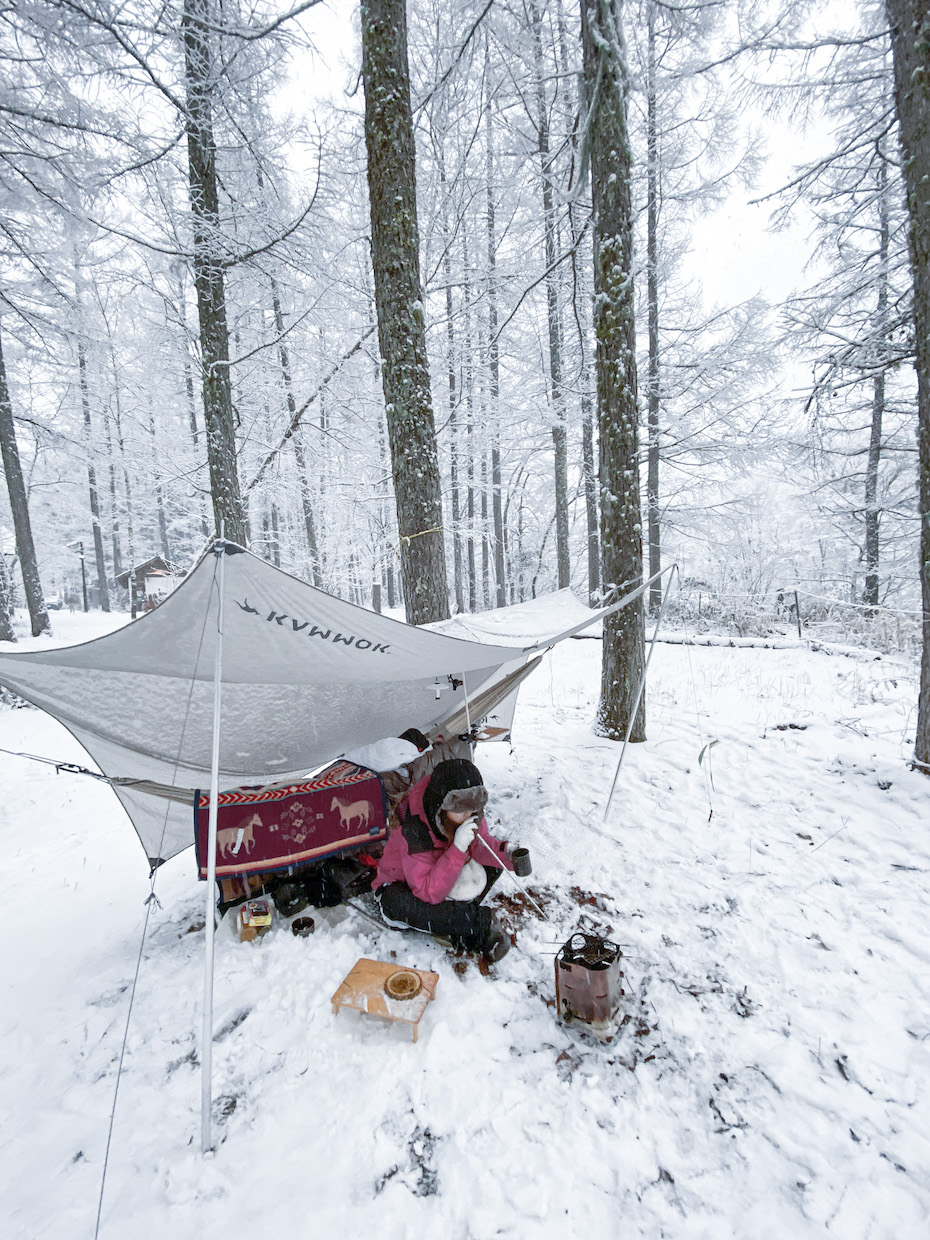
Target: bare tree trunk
910	40
399	299
384	507
6	601
209	274
111	461
100	562
521	574
559	432
191	402
391	582
872	509
306	502
114	501
605	76
652	301
590	495
384	520
485	541
19	507
581	305
468	380
127	486
306	499
457	570
275	536
159	491
99	558
497	506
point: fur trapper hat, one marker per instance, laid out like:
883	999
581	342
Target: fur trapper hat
455	786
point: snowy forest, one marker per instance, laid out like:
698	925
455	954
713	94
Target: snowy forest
189	310
444	306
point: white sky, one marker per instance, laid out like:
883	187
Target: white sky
736	255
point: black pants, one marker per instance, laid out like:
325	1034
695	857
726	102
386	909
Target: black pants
465	923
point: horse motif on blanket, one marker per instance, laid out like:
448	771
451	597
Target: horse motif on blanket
234	839
348	813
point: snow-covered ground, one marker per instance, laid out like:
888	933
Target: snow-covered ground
772	1081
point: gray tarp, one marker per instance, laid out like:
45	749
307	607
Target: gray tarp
305	677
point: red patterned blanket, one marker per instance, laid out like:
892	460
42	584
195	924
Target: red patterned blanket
262	829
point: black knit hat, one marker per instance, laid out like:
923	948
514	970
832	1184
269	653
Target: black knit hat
455	785
415	737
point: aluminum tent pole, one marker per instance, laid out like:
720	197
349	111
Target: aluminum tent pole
467	714
206	1051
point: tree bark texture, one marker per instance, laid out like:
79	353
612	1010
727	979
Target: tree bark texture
127	488
209	274
553	310
306	499
872	509
159	491
468	393
581	307
19	506
910	40
589	473
605	78
652	300
111	459
399	301
451	387
500	572
114	500
99	559
191	402
384	501
6	601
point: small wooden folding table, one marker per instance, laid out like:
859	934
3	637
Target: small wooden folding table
391	991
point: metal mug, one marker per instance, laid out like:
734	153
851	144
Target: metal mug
522	866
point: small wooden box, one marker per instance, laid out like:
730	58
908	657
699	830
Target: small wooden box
363	989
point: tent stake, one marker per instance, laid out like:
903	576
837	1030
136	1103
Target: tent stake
206	1052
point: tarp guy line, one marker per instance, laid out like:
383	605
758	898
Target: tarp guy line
150	901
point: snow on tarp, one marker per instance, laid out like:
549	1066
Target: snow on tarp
532	623
527	624
305	677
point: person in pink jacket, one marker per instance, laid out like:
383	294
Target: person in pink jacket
441	862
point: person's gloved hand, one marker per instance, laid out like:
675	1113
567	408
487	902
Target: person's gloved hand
465	834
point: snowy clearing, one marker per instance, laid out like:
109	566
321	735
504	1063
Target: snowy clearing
772	1079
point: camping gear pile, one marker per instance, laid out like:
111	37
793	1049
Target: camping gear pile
253	920
324	884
